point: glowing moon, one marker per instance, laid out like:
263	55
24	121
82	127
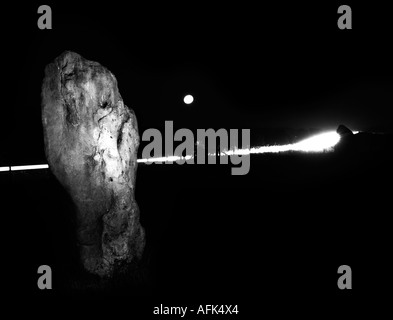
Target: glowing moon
188	99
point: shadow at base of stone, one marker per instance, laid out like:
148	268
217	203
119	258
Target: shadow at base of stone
47	227
75	279
129	279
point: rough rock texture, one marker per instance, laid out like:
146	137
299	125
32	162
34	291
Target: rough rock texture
91	142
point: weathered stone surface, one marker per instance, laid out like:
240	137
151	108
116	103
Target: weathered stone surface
91	142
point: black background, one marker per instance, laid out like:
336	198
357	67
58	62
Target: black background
272	239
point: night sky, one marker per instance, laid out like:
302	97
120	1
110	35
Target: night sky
247	66
271	239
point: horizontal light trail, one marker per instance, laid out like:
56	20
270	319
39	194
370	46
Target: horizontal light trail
318	143
164	159
30	167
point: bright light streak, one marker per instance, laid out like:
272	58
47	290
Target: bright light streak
318	143
30	167
164	159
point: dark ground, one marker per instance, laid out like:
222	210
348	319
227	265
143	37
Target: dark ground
274	237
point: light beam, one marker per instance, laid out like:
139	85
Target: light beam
30	167
323	142
318	143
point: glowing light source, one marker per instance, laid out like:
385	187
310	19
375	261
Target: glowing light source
2	169
188	99
318	143
30	167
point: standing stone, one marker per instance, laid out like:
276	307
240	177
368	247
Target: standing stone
91	143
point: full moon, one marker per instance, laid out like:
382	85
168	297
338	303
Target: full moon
188	99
